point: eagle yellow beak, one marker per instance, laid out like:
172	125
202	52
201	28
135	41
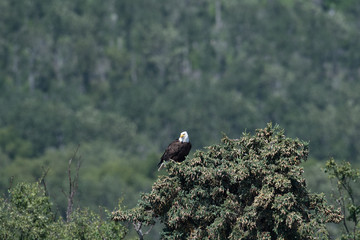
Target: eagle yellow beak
181	135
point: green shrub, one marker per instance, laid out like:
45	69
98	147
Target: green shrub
346	178
86	224
27	214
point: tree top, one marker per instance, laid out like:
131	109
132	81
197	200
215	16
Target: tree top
247	188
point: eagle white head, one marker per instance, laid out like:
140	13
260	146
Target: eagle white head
184	137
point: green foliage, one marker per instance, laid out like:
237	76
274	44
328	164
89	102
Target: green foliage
27	214
346	178
249	61
13	145
86	224
247	188
125	77
55	124
107	174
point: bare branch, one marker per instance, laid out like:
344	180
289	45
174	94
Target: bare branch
137	227
42	179
148	231
73	185
11	181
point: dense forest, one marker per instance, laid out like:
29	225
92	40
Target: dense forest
121	79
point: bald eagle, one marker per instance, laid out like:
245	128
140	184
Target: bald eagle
177	150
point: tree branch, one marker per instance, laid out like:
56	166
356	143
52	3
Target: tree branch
137	227
73	185
42	179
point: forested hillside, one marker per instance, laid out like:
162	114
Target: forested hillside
124	78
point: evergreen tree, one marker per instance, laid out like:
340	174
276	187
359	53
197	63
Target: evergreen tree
247	188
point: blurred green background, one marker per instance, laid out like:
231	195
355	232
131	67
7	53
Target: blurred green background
124	78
